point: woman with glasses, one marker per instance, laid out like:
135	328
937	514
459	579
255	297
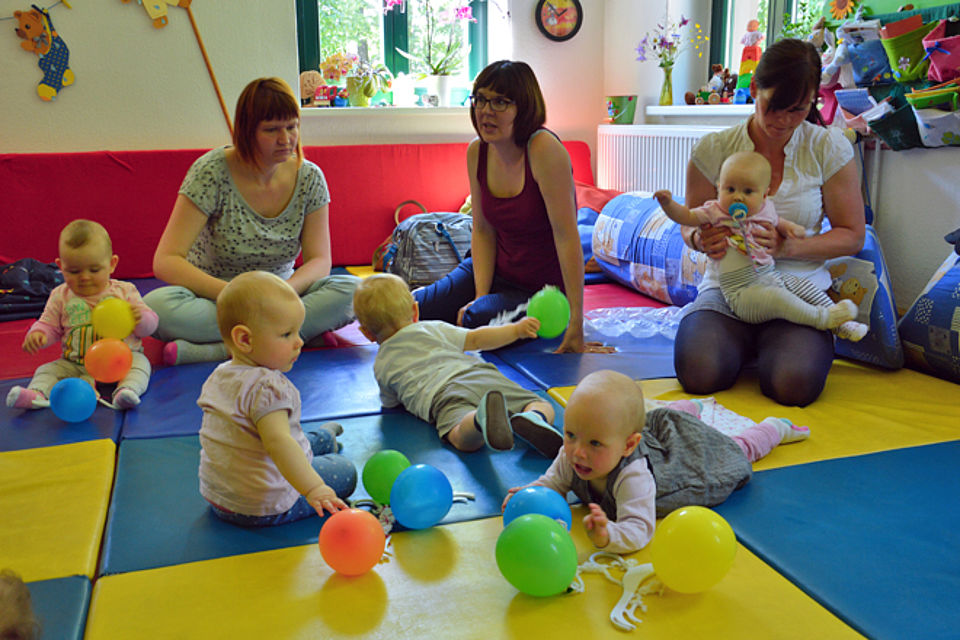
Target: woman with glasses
524	211
814	177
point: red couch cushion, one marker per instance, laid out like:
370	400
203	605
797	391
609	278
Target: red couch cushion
132	193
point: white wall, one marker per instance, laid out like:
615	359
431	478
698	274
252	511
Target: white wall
138	87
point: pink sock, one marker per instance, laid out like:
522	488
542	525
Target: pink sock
758	440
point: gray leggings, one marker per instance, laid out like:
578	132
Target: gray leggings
184	315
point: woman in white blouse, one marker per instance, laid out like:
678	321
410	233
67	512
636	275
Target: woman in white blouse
814	176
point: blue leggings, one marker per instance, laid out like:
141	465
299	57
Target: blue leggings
792	360
336	470
443	299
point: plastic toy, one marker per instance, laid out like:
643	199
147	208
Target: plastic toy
108	360
381	471
692	549
73	400
352	541
542	500
421	496
552	309
537	555
113	318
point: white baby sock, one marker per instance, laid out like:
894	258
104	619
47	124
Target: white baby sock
788	431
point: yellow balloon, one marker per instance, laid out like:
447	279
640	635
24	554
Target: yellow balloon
692	549
113	318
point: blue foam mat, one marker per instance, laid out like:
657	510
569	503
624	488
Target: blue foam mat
61	606
158	518
873	538
639	358
333	383
33	428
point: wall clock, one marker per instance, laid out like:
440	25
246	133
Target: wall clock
559	20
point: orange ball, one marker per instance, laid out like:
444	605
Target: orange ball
352	541
108	360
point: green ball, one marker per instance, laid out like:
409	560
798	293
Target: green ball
380	472
551	308
536	554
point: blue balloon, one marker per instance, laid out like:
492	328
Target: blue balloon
420	497
73	400
542	500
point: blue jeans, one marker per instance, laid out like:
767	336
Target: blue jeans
328	303
336	470
443	299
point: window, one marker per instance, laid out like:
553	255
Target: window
777	18
325	27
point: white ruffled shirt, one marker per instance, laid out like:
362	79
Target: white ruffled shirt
814	154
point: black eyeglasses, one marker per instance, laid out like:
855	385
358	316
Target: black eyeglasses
497	103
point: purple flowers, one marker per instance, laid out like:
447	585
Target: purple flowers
666	42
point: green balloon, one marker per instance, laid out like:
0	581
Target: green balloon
380	471
536	554
551	308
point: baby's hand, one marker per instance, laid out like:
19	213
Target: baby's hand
34	341
663	196
322	497
507	498
527	327
136	314
595	523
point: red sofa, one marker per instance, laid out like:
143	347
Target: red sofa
132	193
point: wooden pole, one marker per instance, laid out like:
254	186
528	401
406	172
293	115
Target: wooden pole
213	78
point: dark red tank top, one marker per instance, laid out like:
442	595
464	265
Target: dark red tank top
526	252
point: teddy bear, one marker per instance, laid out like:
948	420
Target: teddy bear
844	288
40	38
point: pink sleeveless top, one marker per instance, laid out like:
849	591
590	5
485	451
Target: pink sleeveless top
526	252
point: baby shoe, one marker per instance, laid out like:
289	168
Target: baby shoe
20	398
494	421
530	427
125	398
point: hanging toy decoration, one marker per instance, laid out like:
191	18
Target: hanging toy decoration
157	10
40	38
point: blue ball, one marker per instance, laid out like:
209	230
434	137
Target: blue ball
421	496
542	500
73	400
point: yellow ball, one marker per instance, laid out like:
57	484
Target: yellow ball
113	318
692	549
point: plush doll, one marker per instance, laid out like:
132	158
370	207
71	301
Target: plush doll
41	38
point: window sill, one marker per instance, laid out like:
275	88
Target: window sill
385	125
698	113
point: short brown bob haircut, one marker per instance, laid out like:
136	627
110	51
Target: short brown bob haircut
262	99
516	81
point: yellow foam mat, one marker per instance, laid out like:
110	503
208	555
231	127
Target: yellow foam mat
441	583
53	505
362	271
862	410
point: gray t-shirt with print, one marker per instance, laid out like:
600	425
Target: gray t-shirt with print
236	238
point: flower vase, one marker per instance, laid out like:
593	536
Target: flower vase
438	86
666	91
358	91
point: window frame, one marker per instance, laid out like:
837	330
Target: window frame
719	20
395	35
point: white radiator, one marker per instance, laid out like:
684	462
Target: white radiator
646	157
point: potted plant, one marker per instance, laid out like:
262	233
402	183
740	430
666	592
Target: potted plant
365	80
442	49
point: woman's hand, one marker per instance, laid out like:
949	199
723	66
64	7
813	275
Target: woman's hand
767	237
711	240
463	310
573	342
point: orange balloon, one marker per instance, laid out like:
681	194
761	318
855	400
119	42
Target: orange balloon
108	360
352	541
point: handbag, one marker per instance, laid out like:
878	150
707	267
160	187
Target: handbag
424	247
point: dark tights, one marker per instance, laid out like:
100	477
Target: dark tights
792	360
